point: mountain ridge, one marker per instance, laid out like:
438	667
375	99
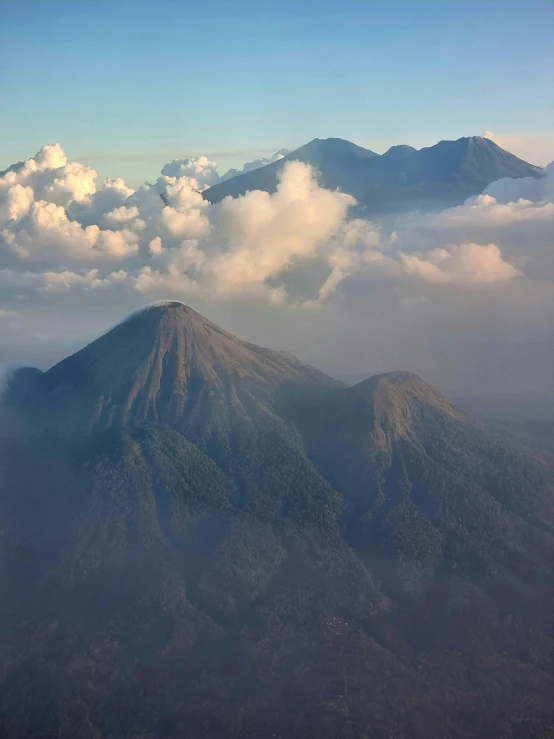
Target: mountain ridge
167	364
150	366
403	178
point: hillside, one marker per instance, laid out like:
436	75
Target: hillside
403	178
203	538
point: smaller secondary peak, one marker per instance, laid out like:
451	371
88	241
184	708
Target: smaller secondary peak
326	144
398	377
394	389
400	150
394	402
333	147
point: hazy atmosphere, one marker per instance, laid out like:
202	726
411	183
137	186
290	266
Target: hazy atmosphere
276	369
463	295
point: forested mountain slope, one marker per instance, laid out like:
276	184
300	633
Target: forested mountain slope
203	538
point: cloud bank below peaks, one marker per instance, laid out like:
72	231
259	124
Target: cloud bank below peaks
205	172
61	231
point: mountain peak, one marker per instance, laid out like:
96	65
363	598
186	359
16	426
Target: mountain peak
164	304
401	179
166	363
331	147
161	308
401	385
392	401
399	151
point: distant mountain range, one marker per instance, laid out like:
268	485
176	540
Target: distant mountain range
201	537
403	178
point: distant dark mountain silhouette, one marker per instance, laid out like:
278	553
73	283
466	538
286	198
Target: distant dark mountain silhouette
201	537
12	168
402	178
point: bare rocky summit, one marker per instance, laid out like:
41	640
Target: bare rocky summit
166	363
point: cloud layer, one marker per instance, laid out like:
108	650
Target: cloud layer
205	172
71	246
60	229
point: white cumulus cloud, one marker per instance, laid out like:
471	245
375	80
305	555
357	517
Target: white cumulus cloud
201	169
466	264
62	231
255	164
265	234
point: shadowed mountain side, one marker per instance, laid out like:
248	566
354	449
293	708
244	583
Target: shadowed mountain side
394	441
401	179
534	435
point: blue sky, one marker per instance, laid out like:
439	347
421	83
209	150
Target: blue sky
126	86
